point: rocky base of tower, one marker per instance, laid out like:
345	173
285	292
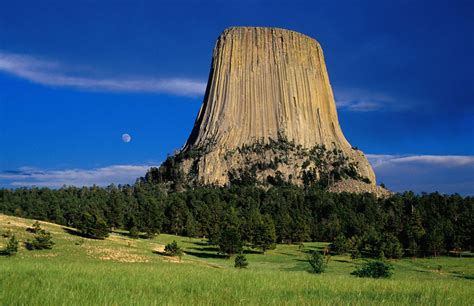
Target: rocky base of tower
264	163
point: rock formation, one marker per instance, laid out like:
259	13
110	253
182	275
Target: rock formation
268	103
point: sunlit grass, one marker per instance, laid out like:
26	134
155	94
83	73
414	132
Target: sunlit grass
123	271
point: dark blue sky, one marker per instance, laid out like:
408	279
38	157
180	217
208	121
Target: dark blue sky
72	78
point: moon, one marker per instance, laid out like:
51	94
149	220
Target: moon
126	138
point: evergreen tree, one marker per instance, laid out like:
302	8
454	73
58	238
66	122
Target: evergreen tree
340	245
264	236
93	226
11	248
134	233
316	260
230	242
172	249
240	261
41	241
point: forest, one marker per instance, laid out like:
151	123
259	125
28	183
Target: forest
247	216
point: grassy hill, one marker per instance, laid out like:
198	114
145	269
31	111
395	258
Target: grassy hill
124	271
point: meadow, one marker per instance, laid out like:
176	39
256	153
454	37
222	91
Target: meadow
124	271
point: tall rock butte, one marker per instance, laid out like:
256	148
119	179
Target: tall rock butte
266	86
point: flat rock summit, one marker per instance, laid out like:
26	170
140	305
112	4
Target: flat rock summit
268	115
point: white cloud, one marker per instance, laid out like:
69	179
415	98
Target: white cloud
379	160
358	100
51	73
446	174
443	173
117	174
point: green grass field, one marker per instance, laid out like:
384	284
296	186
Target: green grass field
124	271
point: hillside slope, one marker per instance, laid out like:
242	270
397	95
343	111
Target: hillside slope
124	271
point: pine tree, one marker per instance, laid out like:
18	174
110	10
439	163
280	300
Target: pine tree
240	261
264	237
230	242
42	240
316	260
11	247
93	226
173	249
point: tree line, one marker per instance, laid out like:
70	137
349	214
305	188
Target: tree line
232	217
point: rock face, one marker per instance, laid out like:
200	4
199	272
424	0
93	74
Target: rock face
266	85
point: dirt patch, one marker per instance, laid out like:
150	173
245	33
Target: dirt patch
119	255
160	249
45	255
9	221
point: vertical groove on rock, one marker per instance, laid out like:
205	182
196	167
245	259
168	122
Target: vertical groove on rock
266	83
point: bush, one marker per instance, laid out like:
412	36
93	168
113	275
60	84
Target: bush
134	233
41	241
316	260
340	245
241	261
374	269
172	249
7	233
11	248
35	228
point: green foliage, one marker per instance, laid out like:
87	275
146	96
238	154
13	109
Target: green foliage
264	236
11	248
7	233
317	262
134	233
230	242
374	269
340	245
402	225
173	249
277	277
240	261
41	241
92	225
35	228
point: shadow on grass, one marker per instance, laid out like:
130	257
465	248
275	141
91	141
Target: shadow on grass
159	253
205	255
298	267
206	249
79	234
253	252
465	276
287	254
201	243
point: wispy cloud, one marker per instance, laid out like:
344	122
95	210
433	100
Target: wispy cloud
358	100
443	173
117	174
52	73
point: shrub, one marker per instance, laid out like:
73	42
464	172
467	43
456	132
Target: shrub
316	260
7	233
35	228
374	269
41	241
241	261
133	232
11	248
340	245
172	249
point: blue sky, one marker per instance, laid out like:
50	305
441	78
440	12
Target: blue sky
75	76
